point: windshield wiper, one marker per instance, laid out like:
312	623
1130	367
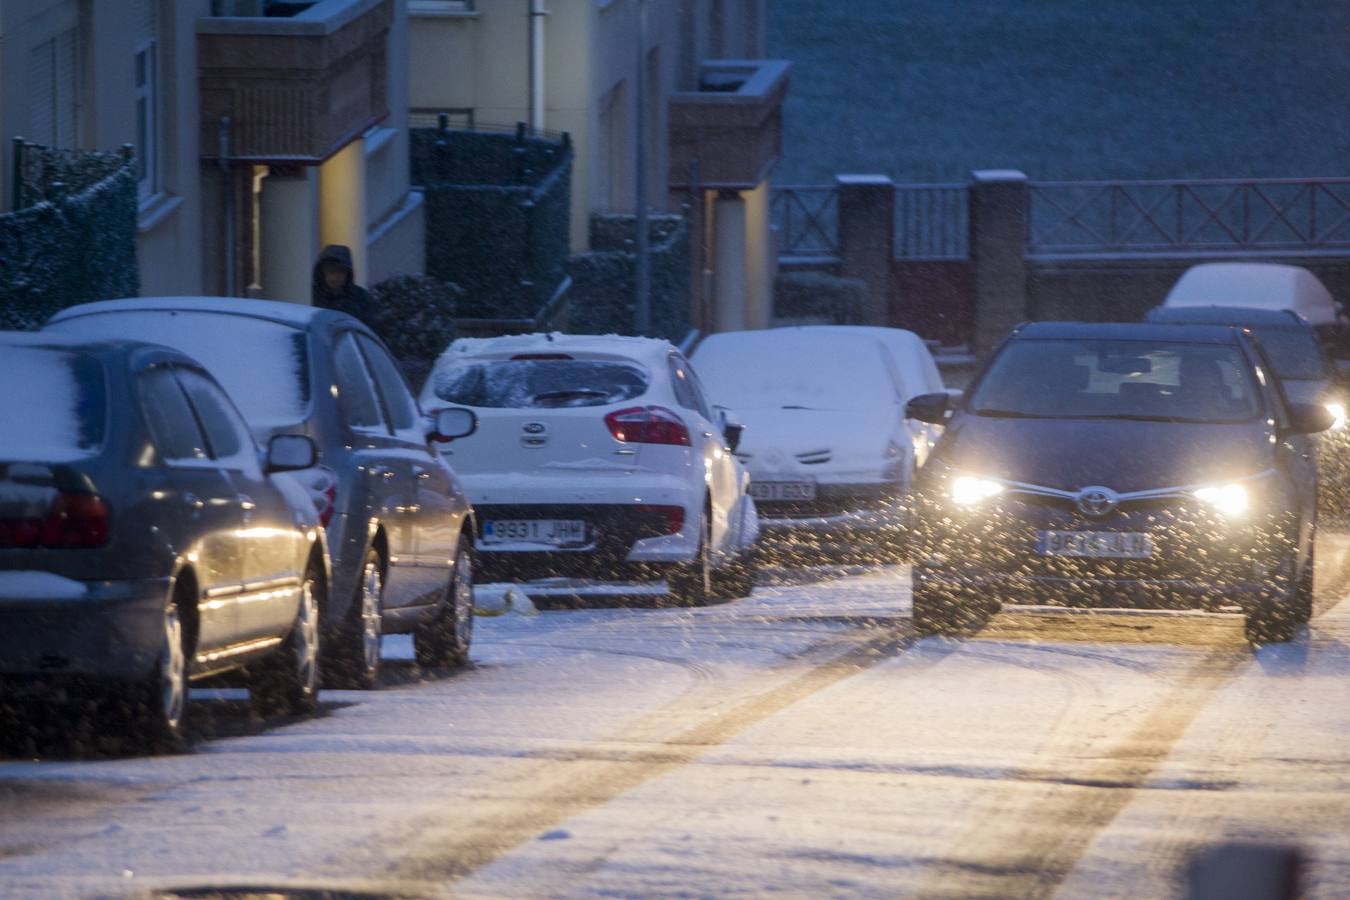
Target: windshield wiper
1008	414
575	393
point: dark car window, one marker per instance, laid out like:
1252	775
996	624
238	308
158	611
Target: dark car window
356	392
173	427
1119	379
398	402
1294	352
262	365
540	383
53	405
231	443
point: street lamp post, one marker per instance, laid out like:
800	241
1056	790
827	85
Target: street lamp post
642	302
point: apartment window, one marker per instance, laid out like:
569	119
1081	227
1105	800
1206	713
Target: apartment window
53	111
615	148
147	126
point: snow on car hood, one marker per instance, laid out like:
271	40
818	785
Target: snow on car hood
818	442
1068	454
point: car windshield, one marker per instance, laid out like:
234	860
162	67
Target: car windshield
1293	352
1113	379
539	383
263	365
61	412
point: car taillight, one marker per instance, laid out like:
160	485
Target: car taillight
647	425
673	516
321	482
73	521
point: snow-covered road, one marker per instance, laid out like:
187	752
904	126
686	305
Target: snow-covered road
799	742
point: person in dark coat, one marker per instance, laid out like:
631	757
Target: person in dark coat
335	284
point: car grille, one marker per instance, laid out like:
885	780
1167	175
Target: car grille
833	500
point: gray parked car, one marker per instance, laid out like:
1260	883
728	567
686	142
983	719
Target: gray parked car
144	539
399	524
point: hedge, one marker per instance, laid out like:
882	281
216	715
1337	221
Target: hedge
604	279
819	295
69	249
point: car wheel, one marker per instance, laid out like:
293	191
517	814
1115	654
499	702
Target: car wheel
1275	619
736	579
691	583
355	661
445	640
1304	592
939	610
287	683
160	704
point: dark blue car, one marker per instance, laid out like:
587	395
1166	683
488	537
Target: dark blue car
1120	466
145	540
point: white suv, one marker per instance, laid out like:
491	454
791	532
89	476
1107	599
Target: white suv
597	457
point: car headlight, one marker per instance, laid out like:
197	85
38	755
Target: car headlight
1230	500
1337	411
968	490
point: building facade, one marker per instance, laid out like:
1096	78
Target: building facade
710	108
263	130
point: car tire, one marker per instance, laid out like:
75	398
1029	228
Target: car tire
287	683
1275	619
158	706
445	640
736	579
931	611
691	583
1304	593
354	663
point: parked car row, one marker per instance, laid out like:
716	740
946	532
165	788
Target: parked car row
197	486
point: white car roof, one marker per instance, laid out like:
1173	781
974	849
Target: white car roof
1258	285
297	314
652	351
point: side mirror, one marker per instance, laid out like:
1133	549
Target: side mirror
930	408
289	452
732	428
451	423
1309	418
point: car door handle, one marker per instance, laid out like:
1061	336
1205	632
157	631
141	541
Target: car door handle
245	502
421	472
380	471
193	500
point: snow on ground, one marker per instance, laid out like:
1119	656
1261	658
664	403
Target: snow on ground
800	741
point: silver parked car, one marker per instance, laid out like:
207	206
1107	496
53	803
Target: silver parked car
399	525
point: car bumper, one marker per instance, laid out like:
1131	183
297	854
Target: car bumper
621	541
113	630
839	509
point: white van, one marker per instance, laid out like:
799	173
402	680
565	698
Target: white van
1265	286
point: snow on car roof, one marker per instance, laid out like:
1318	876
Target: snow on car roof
296	314
802	366
601	345
1262	285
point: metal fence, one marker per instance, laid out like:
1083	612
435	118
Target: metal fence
807	220
1304	216
932	221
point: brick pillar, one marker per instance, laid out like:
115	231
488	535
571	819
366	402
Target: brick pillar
867	239
999	206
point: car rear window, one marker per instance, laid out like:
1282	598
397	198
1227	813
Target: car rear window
539	383
54	405
264	366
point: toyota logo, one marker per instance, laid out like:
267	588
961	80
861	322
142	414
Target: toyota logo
1097	501
533	428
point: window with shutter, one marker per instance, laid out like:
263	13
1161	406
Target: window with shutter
146	75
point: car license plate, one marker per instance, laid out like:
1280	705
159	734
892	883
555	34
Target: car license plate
783	490
534	531
1095	544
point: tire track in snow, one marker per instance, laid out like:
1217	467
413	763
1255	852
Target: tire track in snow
552	793
1042	819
